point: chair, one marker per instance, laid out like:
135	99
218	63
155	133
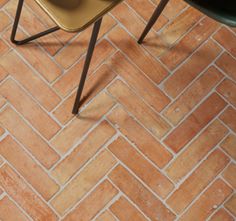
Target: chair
71	16
223	11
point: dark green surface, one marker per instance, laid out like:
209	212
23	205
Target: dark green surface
223	11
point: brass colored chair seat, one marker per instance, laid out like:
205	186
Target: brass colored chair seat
76	15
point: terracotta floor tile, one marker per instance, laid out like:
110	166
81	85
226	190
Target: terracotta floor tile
140	195
99	198
24	195
146	143
124	210
197	181
155	138
28	168
207	140
192	125
187	72
106	216
211	198
9	211
141	167
87	179
221	215
231	204
229	145
227	39
153	121
33	142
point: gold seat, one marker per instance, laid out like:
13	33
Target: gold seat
76	15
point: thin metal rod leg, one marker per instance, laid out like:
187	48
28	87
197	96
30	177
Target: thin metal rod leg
153	19
89	55
16	23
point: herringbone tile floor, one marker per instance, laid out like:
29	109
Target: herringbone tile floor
156	137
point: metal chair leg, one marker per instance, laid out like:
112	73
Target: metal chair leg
153	19
15	26
89	55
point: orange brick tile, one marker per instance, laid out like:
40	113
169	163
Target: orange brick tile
173	8
229	174
154	44
106	216
231	205
28	168
32	142
228	64
138	81
130	186
2	2
3	73
71	79
23	194
9	211
211	198
227	39
144	141
180	25
3	47
189	43
124	211
1	162
191	68
75	49
49	43
5	20
151	120
129	19
196	151
2	131
88	178
29	109
197	181
98	199
221	215
229	145
3	101
228	89
189	128
193	95
37	57
83	152
39	13
229	118
151	67
36	86
159	183
156	123
72	133
94	84
132	22
139	5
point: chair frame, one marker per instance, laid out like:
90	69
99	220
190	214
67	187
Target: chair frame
89	55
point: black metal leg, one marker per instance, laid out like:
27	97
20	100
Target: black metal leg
153	19
89	55
15	26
